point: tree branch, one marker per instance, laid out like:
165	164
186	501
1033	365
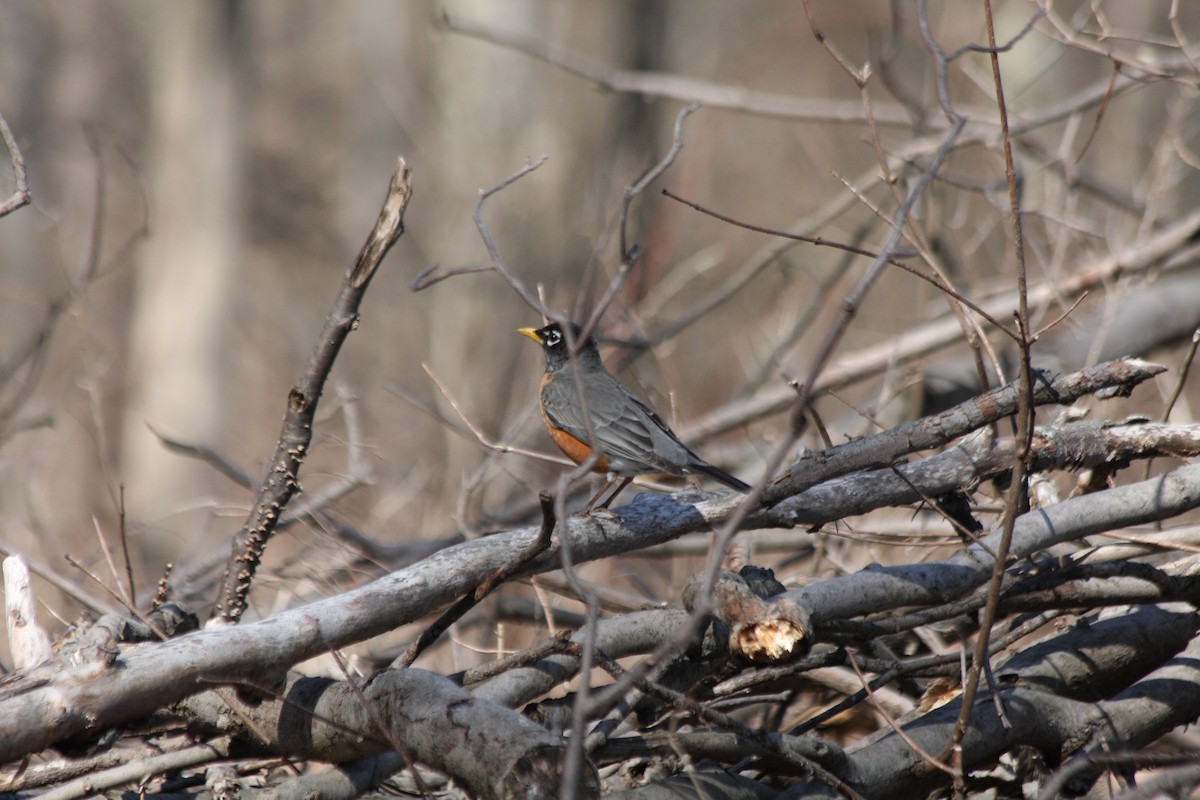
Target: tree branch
282	481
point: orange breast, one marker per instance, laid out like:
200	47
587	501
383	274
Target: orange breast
575	449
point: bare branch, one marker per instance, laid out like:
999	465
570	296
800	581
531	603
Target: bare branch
282	480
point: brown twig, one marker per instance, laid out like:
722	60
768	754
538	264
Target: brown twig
1177	390
860	78
1183	375
556	644
1112	83
282	483
971	329
965	533
652	174
483	439
118	597
123	534
206	454
126	593
430	276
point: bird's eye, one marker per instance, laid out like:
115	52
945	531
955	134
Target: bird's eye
553	338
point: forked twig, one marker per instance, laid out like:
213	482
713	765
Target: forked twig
630	253
20	196
431	276
467	602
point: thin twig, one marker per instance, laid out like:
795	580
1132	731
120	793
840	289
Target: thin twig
651	175
558	643
891	721
1183	376
1014	499
480	436
430	276
894	261
125	594
115	595
498	263
1112	83
123	536
963	531
574	761
971	329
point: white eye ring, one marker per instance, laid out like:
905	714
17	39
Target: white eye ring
553	338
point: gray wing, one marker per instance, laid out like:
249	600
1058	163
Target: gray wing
629	432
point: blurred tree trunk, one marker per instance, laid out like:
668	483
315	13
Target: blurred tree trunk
179	343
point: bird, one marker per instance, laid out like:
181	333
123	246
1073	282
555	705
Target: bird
587	410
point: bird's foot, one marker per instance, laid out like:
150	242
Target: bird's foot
600	512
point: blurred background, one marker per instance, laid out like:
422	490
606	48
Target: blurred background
204	173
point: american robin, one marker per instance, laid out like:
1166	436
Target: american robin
631	437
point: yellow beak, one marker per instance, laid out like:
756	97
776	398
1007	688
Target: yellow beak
531	333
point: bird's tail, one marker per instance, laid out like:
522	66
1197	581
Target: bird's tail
704	468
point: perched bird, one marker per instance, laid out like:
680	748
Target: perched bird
579	404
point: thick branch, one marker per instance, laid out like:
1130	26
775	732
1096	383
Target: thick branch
884	448
879	588
490	750
1050	694
40	709
978	458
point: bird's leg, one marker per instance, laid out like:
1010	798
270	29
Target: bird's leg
624	482
607	483
588	508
